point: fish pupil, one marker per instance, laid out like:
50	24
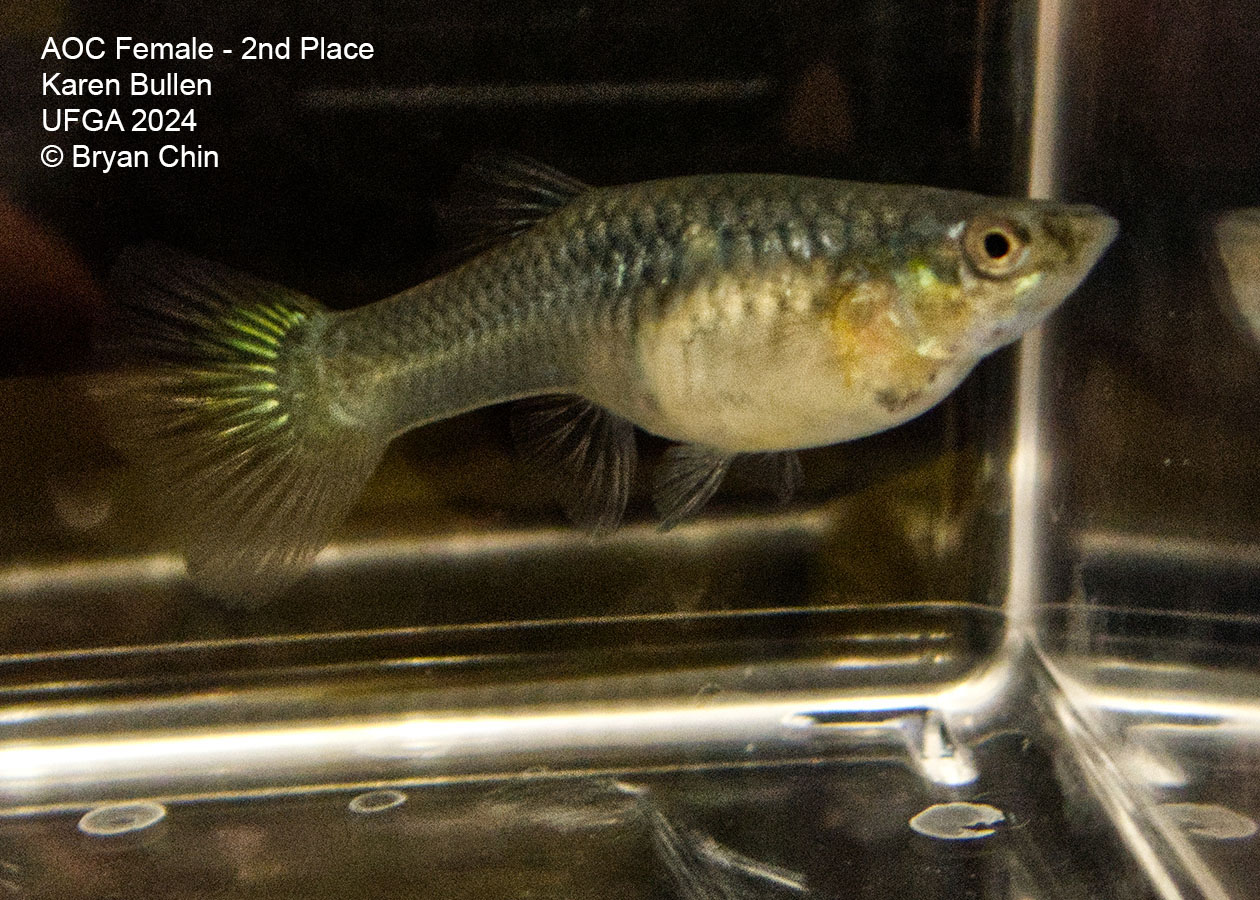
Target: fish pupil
996	245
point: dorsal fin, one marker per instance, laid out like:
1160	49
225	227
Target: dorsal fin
685	479
497	196
585	452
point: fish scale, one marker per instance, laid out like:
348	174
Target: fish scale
550	294
732	314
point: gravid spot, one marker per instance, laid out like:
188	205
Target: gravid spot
896	401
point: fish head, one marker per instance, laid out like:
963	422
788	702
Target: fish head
996	269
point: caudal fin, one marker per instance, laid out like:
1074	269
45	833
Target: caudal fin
218	395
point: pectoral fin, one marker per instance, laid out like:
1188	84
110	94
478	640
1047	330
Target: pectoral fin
686	478
586	454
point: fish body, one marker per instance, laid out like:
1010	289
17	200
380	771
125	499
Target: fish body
734	314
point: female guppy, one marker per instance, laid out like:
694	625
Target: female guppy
734	314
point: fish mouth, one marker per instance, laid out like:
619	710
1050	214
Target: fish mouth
1085	231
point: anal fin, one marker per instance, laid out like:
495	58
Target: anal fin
778	474
687	477
587	453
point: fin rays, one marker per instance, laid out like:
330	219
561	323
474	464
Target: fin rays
588	455
589	458
687	477
778	474
218	401
498	196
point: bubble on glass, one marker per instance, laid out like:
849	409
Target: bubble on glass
1210	820
958	821
376	802
121	818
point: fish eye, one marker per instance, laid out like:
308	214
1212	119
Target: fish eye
996	244
994	247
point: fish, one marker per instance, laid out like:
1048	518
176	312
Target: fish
742	317
1237	235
